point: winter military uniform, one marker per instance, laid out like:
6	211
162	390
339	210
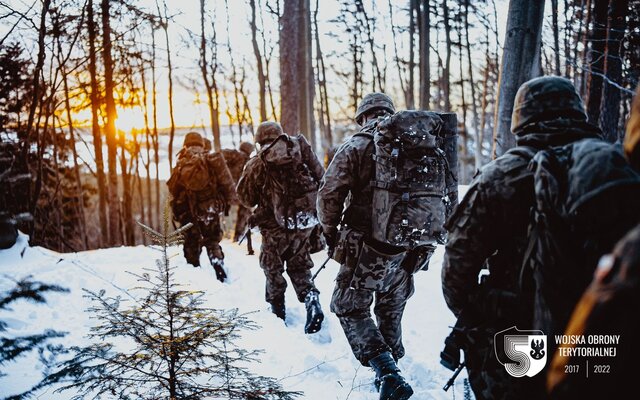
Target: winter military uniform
489	230
348	179
281	246
236	160
202	210
610	305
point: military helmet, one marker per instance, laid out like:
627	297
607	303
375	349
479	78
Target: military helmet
193	139
545	99
371	102
268	131
246	148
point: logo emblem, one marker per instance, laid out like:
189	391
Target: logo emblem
521	352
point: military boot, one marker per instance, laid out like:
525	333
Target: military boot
218	266
314	313
277	307
389	382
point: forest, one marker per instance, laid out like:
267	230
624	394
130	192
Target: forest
96	95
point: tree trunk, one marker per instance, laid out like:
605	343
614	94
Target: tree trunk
172	129
155	137
424	28
214	113
295	66
556	36
325	113
610	109
598	39
95	127
520	62
474	108
262	92
446	85
114	203
412	31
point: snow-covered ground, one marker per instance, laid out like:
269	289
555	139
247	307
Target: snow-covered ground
321	365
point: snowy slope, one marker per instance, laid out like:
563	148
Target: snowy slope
321	365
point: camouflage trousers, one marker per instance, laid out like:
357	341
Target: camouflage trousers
290	248
242	218
204	234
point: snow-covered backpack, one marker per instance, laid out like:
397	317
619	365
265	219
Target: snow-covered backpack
586	198
192	172
410	201
289	183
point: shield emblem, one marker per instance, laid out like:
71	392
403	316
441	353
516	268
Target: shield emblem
523	353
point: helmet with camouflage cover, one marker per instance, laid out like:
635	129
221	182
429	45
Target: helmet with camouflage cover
545	99
372	102
193	139
247	148
268	131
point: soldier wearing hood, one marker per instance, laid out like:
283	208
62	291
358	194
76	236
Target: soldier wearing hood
489	230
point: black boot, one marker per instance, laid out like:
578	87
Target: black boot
218	265
277	307
389	382
314	313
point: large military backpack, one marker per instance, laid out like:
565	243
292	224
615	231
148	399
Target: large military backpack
193	173
586	199
291	186
411	180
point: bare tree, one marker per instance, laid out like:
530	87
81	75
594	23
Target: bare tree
208	70
424	28
295	66
262	92
110	131
520	62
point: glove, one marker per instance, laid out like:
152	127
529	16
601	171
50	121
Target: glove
331	236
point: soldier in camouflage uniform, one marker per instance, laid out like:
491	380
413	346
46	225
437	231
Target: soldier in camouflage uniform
489	230
348	177
236	160
610	305
281	246
206	230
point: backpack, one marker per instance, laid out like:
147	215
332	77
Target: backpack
410	182
585	201
289	183
193	174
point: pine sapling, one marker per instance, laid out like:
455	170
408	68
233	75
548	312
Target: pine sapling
164	344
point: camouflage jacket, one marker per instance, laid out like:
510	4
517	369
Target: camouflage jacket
489	227
236	161
224	187
252	186
348	179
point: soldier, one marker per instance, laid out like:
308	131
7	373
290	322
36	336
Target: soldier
610	305
349	175
260	186
489	230
236	160
201	187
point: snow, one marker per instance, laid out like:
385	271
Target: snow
320	365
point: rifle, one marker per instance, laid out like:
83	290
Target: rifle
247	235
324	264
453	344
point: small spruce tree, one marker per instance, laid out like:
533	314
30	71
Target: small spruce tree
177	348
13	347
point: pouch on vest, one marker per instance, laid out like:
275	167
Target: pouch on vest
376	268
